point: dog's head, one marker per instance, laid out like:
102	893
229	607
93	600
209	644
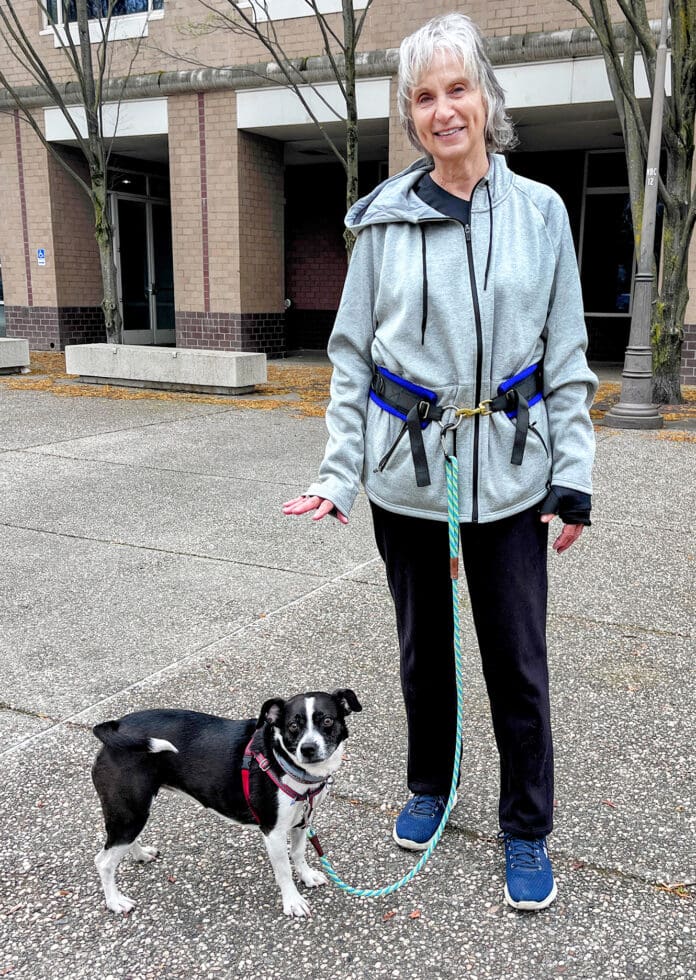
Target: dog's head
311	728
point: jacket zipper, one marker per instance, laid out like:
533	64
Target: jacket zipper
539	437
479	370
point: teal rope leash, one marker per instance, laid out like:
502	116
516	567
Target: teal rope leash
451	469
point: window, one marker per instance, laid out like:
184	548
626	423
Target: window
129	19
100	8
288	9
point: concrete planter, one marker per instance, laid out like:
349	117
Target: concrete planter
168	368
14	355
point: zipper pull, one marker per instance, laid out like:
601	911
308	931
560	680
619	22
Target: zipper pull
467	233
389	453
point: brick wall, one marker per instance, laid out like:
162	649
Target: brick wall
53	328
315	251
261	181
386	24
688	369
264	332
11	230
79	281
184	181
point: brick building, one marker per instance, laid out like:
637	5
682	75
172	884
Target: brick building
228	204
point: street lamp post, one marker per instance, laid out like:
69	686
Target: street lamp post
635	409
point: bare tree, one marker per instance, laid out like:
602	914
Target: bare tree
675	187
90	71
253	20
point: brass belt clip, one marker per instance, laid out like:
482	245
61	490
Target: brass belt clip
482	409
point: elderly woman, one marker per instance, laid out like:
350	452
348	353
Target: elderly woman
463	290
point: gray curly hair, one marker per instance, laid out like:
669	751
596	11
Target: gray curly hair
457	35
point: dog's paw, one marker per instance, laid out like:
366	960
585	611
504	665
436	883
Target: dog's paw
120	904
312	878
295	905
144	854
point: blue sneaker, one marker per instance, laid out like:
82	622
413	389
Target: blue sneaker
529	880
417	823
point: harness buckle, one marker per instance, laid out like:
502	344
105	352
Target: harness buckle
424	410
264	763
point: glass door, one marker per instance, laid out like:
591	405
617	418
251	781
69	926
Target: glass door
146	275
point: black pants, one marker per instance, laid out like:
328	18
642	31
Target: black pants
505	564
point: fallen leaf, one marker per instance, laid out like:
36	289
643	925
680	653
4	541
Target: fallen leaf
171	879
609	803
678	888
388	915
416	914
63	892
577	865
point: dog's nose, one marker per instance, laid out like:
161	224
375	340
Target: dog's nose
309	751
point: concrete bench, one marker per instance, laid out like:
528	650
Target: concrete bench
168	368
14	355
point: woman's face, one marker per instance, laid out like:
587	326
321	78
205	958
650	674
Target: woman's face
449	114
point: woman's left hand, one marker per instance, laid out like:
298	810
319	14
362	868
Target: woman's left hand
569	535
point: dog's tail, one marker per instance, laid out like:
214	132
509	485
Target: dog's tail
108	733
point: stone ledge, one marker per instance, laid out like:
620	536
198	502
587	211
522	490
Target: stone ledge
174	369
14	355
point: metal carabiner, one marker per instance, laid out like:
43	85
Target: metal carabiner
444	429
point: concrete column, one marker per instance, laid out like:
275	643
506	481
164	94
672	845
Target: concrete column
227	221
55	302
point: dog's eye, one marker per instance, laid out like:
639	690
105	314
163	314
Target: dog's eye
327	722
293	728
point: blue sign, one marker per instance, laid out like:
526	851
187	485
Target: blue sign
41	256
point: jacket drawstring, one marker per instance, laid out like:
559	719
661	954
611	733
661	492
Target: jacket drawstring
490	239
424	318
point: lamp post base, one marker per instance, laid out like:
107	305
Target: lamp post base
628	416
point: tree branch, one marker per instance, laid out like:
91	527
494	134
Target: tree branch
361	22
323	27
27	117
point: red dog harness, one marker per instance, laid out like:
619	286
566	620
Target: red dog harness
265	766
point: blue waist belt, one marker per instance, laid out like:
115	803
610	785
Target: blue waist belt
417	407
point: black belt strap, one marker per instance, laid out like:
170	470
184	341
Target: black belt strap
415	434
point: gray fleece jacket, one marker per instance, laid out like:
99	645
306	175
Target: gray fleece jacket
412	305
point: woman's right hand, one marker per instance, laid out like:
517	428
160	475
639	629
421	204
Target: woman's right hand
322	506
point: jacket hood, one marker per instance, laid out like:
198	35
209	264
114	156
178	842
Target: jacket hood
395	199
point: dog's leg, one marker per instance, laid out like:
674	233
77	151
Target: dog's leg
298	855
107	861
277	846
143	854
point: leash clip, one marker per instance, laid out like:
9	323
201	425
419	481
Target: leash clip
481	409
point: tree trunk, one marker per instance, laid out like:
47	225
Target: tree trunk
351	118
668	317
104	235
97	162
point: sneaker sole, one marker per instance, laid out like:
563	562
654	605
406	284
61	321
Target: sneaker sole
531	906
414	845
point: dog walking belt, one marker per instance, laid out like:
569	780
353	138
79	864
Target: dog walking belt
417	407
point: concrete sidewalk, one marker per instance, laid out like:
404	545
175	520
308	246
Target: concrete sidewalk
145	561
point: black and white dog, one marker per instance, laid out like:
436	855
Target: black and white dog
272	772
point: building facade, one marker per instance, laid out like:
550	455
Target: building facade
227	202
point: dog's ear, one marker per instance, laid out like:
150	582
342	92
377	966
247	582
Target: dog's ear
270	712
346	699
